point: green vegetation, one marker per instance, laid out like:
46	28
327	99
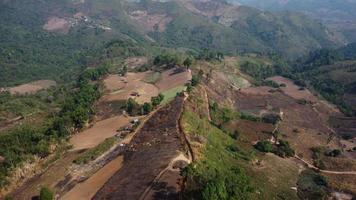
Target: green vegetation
134	108
284	149
93	153
222	115
168	59
312	186
258	72
281	148
318	154
46	194
330	72
216	175
264	146
24	142
157	100
171	93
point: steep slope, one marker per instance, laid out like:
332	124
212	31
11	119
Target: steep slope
235	29
55	39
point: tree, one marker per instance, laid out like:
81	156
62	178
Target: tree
46	194
131	105
124	70
188	62
195	80
264	146
147	108
157	100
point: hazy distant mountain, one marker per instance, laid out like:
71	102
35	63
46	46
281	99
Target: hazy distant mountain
338	14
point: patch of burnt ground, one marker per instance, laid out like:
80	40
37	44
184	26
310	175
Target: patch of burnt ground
151	151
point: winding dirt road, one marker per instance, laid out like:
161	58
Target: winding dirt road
311	166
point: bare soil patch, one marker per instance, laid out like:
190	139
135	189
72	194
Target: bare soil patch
293	90
122	88
173	78
50	178
114	82
138	61
32	87
87	189
56	24
98	133
152	149
151	22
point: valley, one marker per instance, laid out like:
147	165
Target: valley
193	99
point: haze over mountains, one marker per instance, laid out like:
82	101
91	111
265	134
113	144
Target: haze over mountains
177	99
338	14
68	28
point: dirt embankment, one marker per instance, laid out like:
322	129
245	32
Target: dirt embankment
151	151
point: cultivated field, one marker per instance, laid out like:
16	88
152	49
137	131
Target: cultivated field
88	188
173	78
98	133
122	88
293	90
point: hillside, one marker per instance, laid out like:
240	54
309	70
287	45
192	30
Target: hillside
337	14
56	40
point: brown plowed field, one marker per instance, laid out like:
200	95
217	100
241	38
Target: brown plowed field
122	88
173	78
152	149
98	133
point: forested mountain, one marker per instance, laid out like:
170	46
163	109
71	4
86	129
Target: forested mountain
340	15
50	38
332	73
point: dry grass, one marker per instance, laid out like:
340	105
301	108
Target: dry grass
32	87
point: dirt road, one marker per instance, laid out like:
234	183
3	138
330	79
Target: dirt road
311	166
87	189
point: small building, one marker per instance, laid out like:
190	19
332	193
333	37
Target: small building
135	121
135	94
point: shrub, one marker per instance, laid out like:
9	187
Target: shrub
284	150
264	146
333	153
312	186
147	108
46	194
271	118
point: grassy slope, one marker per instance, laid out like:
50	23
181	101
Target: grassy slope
272	180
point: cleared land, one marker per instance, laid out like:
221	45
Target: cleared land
152	149
51	177
98	133
134	62
122	88
87	189
293	90
57	24
173	78
145	84
32	87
